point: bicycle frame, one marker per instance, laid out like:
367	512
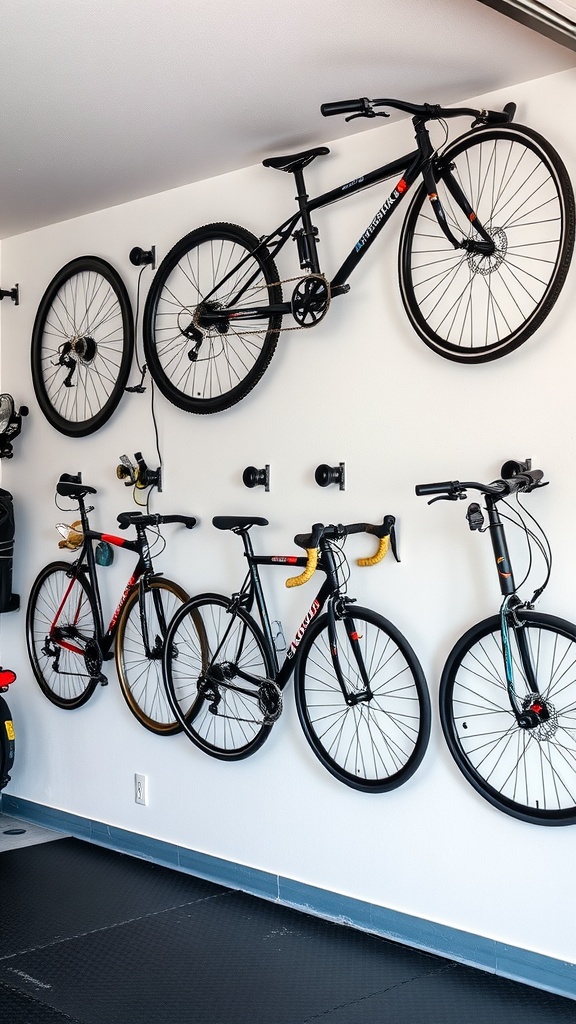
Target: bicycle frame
508	619
419	162
86	564
252	592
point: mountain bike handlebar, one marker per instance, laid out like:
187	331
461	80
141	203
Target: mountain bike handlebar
385	532
451	490
364	107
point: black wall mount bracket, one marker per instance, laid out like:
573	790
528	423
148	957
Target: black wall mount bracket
253	477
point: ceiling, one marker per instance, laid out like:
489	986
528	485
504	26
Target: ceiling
107	101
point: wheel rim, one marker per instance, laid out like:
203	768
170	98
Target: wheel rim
236	722
205	362
528	772
467	304
140	674
82	347
373	744
56	598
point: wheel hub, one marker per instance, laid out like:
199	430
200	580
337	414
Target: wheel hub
484	264
539	717
84	348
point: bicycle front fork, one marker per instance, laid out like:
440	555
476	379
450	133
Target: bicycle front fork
341	611
531	710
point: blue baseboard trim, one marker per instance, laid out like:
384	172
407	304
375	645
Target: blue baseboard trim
512	962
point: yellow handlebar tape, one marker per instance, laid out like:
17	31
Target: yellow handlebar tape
297	581
383	548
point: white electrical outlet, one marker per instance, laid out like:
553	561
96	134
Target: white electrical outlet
141	789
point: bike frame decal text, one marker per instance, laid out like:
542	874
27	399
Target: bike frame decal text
127	591
392	199
306	622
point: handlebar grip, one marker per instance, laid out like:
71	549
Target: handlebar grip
525	481
297	581
445	487
380	554
343	107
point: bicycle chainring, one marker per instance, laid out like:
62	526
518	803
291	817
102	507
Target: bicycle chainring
310	300
270	700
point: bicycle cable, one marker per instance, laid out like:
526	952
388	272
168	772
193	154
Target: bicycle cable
532	538
142	369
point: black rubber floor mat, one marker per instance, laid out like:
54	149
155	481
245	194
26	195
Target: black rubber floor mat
230	960
16	1008
68	887
102	938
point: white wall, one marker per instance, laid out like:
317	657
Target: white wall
362	388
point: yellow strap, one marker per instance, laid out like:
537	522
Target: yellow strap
380	554
297	581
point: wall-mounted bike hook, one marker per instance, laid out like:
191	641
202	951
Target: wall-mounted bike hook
11	293
139	256
253	477
139	475
326	475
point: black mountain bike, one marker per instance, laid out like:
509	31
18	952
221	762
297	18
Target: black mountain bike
508	689
361	695
67	640
484	251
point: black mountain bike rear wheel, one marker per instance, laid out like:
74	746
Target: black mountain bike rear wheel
62	671
473	308
377	744
527	773
82	345
218	710
205	369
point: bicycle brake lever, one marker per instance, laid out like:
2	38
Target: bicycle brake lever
368	113
394	543
448	497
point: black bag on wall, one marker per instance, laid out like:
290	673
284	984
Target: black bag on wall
9	602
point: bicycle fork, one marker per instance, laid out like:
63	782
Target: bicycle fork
533	710
354	638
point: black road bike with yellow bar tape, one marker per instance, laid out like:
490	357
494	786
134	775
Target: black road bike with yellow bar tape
67	638
361	695
508	689
484	251
7	734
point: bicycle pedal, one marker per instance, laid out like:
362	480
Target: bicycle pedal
102	680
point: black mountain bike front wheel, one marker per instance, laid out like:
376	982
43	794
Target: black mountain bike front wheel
529	773
219	711
200	367
471	307
139	663
58	600
377	743
82	345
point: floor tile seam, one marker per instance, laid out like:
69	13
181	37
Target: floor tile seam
107	927
378	992
13	990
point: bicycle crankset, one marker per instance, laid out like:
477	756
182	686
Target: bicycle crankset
310	300
270	700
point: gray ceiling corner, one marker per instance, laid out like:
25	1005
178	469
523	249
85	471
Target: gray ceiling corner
108	102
